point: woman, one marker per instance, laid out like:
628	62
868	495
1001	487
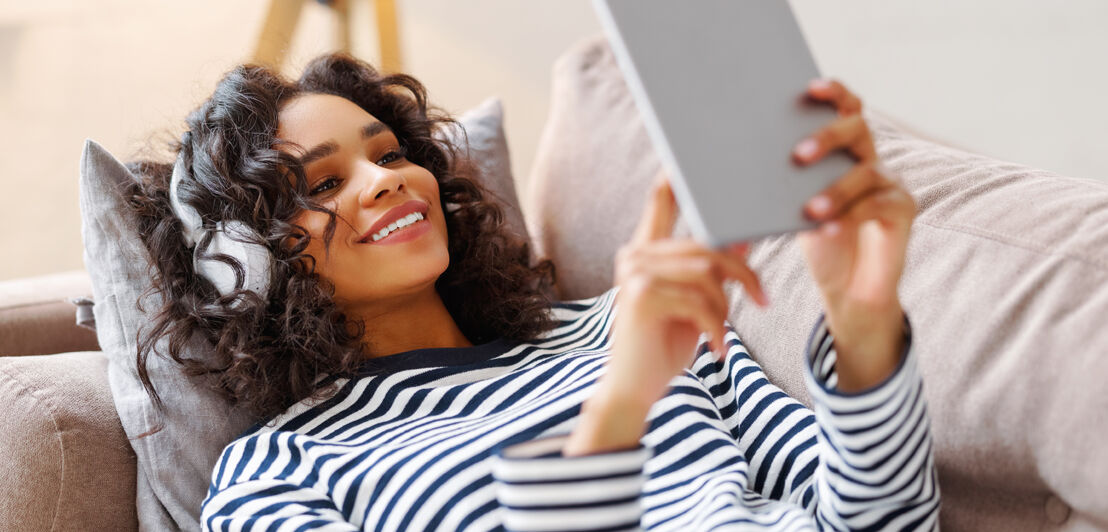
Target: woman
412	374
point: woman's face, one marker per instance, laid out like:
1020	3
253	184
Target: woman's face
355	168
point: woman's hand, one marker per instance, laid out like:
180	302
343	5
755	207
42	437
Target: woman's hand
670	291
857	253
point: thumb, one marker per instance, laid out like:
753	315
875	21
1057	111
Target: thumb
830	255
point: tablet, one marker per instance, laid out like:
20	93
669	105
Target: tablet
720	85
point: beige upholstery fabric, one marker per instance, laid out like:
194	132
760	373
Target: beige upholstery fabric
35	317
67	464
1006	284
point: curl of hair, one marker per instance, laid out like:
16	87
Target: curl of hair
265	355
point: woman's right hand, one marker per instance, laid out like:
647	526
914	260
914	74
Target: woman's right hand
670	291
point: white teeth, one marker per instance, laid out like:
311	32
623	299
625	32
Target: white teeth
403	222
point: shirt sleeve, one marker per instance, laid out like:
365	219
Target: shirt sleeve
271	505
238	501
876	469
539	488
858	461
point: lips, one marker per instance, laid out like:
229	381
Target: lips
393	215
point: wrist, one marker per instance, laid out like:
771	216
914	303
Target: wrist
609	421
868	345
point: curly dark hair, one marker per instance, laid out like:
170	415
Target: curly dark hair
271	353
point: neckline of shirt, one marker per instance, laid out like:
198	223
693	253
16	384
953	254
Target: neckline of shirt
428	357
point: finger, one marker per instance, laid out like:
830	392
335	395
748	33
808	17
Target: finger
726	265
677	301
893	207
838	197
830	90
882	220
847	132
697	273
660	212
739	249
830	253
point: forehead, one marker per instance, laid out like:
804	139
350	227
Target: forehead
311	119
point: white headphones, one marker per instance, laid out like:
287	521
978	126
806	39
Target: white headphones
254	258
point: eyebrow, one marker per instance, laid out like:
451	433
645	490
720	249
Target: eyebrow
327	148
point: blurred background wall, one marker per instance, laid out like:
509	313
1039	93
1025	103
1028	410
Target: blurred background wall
1021	80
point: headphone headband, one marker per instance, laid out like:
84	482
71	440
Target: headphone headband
254	258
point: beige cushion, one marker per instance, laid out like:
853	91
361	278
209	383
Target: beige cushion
67	464
36	317
1006	284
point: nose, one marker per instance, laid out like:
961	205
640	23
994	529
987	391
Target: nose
379	183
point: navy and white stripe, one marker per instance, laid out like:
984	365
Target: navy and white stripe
469	439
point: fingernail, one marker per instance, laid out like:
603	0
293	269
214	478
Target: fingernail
819	205
819	84
807	149
831	228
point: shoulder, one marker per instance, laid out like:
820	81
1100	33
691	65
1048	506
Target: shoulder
576	309
244	458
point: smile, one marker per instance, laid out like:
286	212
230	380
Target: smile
407	228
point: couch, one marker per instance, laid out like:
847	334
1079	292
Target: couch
1006	283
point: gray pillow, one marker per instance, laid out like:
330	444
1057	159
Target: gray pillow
175	463
489	147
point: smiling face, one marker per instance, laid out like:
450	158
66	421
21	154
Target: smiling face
356	167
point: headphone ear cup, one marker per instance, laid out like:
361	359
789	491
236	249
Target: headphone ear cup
232	239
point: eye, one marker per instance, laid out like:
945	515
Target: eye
393	156
326	184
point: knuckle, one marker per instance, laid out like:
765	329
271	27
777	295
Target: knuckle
827	137
629	254
836	194
857	126
628	265
852	102
623	255
636	287
703	266
622	273
871	171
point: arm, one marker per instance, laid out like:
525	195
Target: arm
876	466
861	460
268	504
244	496
537	485
670	292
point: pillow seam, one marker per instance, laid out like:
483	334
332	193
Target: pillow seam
1007	240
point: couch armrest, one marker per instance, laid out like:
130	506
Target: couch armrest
67	460
37	318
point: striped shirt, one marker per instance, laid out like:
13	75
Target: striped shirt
469	438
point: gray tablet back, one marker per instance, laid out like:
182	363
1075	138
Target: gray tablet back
720	85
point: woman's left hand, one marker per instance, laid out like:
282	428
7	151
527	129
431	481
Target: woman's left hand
856	255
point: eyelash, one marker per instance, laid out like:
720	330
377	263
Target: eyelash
398	153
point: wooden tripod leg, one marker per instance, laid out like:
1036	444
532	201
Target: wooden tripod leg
342	23
280	22
388	35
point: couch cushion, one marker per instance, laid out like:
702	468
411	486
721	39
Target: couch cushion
175	463
67	464
1006	283
37	318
